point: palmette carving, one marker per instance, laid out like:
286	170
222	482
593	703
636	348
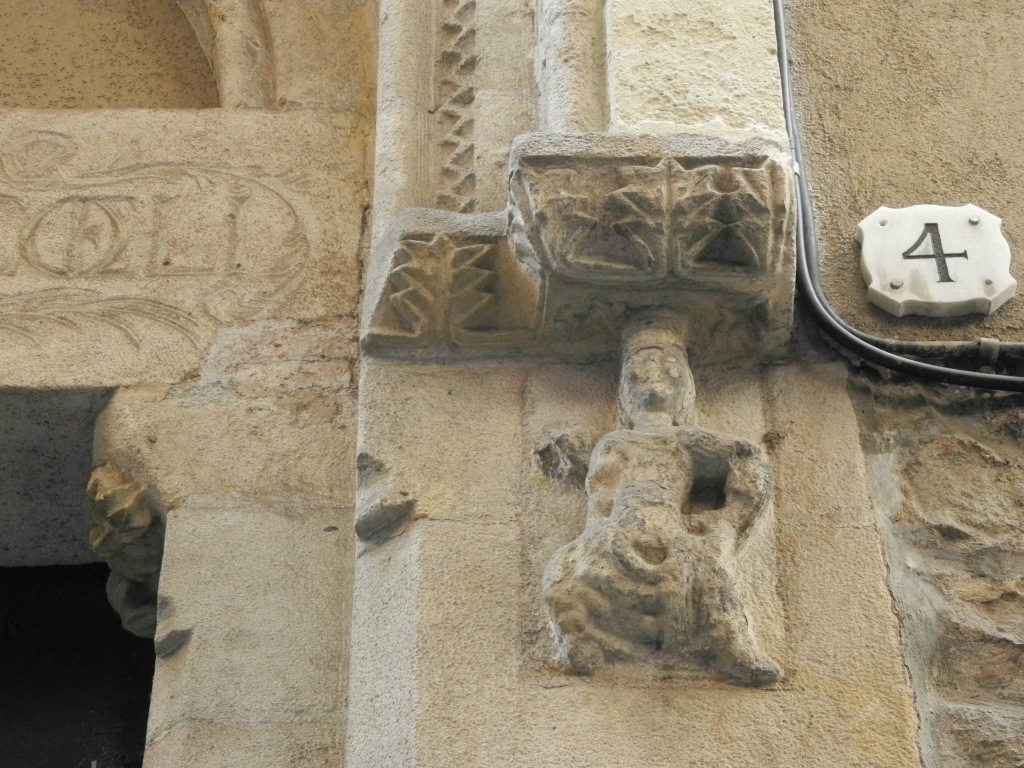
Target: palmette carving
598	227
607	220
439	288
128	533
653	576
451	282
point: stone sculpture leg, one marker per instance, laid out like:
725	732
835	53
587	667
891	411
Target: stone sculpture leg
720	613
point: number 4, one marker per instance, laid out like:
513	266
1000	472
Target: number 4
931	233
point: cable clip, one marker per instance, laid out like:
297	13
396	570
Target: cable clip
988	350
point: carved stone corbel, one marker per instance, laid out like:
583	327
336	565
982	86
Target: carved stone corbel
128	533
670	507
677	247
449	282
598	226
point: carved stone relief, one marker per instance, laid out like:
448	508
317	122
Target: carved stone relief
455	96
598	226
652	577
128	533
145	247
450	282
688	240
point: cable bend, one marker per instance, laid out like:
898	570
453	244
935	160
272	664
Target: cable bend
888	353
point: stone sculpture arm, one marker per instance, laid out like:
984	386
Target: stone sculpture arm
740	470
603	479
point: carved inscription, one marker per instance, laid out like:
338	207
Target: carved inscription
77	236
141	241
931	234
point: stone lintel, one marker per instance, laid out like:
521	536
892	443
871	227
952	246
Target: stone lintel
120	260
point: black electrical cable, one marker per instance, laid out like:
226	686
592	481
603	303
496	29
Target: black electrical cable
888	353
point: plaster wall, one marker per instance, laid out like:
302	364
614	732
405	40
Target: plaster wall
907	103
60	54
900	104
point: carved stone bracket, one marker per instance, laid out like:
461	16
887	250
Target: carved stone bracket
451	281
129	535
598	225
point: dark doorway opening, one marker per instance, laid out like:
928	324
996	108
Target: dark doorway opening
74	685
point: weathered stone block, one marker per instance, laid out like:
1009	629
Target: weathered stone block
260	590
206	744
675	63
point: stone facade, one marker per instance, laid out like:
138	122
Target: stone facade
446	402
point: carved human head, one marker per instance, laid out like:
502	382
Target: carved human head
656	384
125	530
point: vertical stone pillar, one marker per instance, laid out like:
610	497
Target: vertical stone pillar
254	483
489	374
570	66
402	164
685	64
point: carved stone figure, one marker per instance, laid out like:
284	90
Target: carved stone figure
129	535
670	506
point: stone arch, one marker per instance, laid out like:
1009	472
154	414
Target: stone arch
235	35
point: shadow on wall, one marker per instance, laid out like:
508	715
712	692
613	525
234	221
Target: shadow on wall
45	460
74	686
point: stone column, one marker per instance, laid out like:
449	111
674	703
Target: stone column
687	64
570	53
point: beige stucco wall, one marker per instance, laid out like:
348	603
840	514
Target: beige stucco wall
907	103
901	104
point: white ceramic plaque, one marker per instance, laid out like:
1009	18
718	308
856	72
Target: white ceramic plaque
935	260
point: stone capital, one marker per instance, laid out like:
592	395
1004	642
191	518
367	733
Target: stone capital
598	226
